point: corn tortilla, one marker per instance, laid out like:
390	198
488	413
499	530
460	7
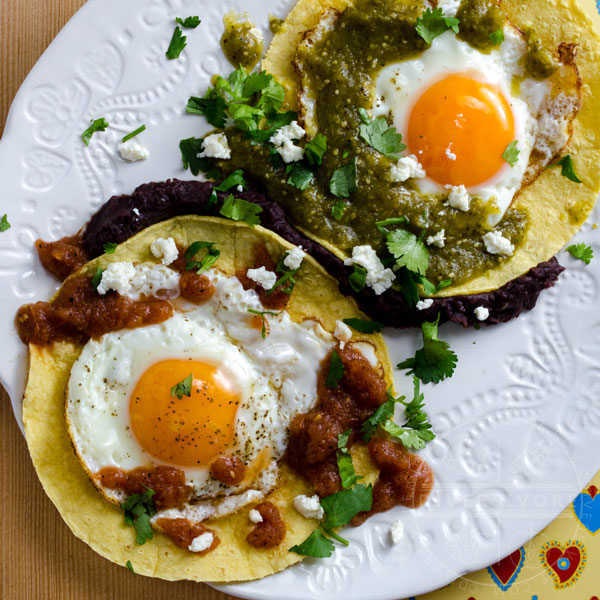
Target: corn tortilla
557	207
98	522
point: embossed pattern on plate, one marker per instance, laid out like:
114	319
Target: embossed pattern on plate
518	425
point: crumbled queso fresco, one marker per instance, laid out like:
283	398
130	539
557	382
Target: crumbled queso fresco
216	146
132	151
482	313
255	516
165	249
496	243
266	279
438	240
202	542
424	304
293	259
309	506
408	167
379	279
134	281
459	198
283	142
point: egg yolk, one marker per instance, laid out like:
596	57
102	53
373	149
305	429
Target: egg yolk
189	431
458	129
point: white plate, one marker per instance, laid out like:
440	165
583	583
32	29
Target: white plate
518	425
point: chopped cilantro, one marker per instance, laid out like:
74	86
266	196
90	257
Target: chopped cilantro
511	154
138	509
274	121
286	281
233	179
97	125
263	314
183	388
208	260
315	150
435	361
212	199
380	135
408	282
190	148
497	37
582	252
189	22
109	247
245	117
97	278
408	250
364	326
338	209
238	209
300	175
342	506
568	169
130	566
433	288
4	224
344	461
178	43
382	225
256	82
336	370
131	135
431	24
271	95
317	545
381	415
214	108
343	181
358	278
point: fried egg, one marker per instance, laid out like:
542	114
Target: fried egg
121	411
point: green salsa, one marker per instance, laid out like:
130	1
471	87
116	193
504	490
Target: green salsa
242	42
341	69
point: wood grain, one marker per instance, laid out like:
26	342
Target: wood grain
39	557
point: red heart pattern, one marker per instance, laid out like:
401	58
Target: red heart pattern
505	572
564	563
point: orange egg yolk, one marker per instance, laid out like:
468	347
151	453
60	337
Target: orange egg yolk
189	431
458	129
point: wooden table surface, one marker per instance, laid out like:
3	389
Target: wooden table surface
40	559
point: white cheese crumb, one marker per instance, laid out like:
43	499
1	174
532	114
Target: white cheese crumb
294	257
202	542
482	313
134	281
215	146
282	140
408	167
378	278
264	278
397	532
165	249
343	333
496	243
449	153
255	516
136	212
240	188
459	198
132	151
438	240
309	507
424	304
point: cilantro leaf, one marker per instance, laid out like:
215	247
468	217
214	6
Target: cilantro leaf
408	250
190	148
272	96
435	361
582	252
511	154
209	259
381	136
408	282
183	388
344	461
274	122
263	314
138	509
382	225
245	117
286	281
238	209
364	326
568	169
131	135
189	22
336	370
300	175
432	288
317	545
97	125
343	181
432	24
342	506
338	209
177	44
130	566
109	247
497	37
255	83
4	224
97	278
358	278
232	180
213	107
315	150
381	415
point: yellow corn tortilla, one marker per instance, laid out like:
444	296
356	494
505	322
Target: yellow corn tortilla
557	207
98	522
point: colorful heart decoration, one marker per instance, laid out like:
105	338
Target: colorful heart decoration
586	507
563	563
505	572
